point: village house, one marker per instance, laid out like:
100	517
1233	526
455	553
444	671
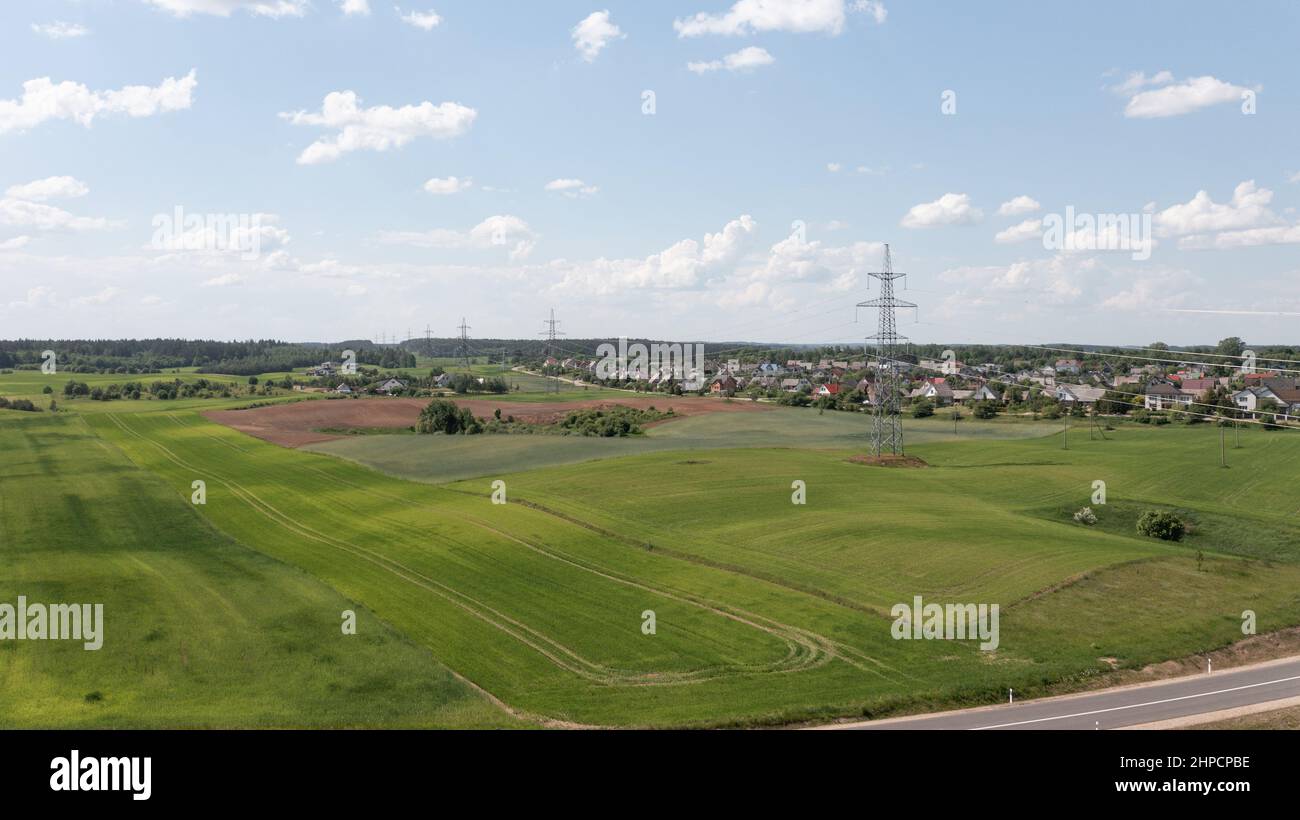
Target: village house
1078	394
796	385
392	386
828	389
343	390
1164	396
1276	396
940	394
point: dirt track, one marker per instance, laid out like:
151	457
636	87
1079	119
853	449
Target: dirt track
298	424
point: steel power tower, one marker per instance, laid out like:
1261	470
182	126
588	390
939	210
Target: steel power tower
550	333
462	345
887	424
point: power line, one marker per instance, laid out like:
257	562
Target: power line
462	345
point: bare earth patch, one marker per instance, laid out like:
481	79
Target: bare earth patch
889	461
301	423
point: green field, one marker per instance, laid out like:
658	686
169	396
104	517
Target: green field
766	612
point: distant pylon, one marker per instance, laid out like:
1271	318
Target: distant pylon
887	423
550	333
462	345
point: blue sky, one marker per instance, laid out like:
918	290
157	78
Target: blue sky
788	140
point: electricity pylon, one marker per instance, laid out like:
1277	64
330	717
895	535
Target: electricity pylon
550	333
887	423
462	345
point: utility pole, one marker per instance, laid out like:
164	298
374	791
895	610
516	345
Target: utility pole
1223	456
887	423
1066	429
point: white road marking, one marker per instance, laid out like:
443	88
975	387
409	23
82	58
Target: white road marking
1138	705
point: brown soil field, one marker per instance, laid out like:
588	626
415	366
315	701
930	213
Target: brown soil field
300	423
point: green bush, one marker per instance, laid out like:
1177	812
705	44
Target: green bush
1163	525
442	416
923	409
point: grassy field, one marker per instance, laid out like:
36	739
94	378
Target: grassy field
766	612
200	631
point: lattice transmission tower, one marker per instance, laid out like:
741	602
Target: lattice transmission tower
551	333
887	423
462	345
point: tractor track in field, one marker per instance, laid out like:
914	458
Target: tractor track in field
811	652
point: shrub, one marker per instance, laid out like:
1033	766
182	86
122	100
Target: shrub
923	409
442	416
986	409
1086	516
1163	525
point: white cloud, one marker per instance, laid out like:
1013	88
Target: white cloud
448	185
427	20
1248	209
572	188
39	296
1020	205
949	209
504	231
747	59
351	8
218	233
1294	177
15	243
103	297
1248	238
874	8
1174	99
1029	229
43	190
59	30
23	214
594	33
833	167
751	16
42	100
224	8
1139	80
687	264
379	128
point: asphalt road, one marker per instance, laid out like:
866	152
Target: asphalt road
1121	707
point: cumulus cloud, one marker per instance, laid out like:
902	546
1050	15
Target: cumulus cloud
448	185
833	167
59	30
503	231
949	209
747	59
1172	99
427	20
224	8
572	188
43	100
594	33
688	264
379	128
1029	229
753	16
873	8
1247	209
15	243
43	190
359	8
1020	205
20	213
